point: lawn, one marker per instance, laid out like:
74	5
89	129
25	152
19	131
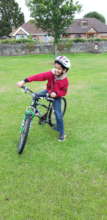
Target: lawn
53	180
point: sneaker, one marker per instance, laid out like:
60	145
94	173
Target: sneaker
61	137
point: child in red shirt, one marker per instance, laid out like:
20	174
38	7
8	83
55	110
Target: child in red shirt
57	86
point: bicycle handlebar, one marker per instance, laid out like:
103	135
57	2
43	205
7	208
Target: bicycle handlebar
35	95
26	89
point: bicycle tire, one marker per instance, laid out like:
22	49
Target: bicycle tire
52	119
24	134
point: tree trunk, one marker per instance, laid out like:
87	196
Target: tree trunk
55	49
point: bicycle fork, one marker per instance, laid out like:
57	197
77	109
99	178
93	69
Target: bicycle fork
28	113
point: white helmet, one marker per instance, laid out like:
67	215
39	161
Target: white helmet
64	61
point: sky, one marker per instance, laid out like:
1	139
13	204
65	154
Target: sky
24	9
87	6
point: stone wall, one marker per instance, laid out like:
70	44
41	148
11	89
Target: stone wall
92	47
79	47
24	49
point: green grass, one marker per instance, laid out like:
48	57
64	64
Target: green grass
53	180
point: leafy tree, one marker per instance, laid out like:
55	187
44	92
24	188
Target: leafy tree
95	14
53	16
27	2
10	16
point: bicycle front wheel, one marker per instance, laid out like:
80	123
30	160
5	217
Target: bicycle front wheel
24	134
52	118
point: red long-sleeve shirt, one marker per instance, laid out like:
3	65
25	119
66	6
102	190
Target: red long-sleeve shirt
54	84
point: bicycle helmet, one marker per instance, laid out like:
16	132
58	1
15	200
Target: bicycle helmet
64	61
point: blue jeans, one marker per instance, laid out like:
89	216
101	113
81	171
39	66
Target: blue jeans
57	111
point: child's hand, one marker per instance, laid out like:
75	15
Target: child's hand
53	94
20	83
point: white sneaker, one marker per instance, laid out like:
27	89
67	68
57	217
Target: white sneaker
62	137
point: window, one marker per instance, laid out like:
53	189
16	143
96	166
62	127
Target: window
84	24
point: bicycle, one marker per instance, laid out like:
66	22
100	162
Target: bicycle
46	116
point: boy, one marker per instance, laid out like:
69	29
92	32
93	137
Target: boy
56	87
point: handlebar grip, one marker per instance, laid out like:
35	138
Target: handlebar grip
27	89
23	87
50	99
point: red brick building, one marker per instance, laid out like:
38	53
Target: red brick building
86	28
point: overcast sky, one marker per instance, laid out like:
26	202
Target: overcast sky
88	5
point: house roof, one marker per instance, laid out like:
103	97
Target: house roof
85	25
29	29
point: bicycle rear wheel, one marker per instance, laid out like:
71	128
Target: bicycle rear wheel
52	118
24	134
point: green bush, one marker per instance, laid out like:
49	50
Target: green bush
64	43
30	46
79	40
14	41
98	39
95	39
68	41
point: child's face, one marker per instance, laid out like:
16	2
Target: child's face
58	69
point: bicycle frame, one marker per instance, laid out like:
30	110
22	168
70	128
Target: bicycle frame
32	109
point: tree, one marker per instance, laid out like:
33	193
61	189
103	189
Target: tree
10	16
95	14
53	16
27	2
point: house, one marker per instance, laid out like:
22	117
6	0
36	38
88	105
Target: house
30	29
86	28
80	28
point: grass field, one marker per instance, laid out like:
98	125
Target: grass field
53	180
